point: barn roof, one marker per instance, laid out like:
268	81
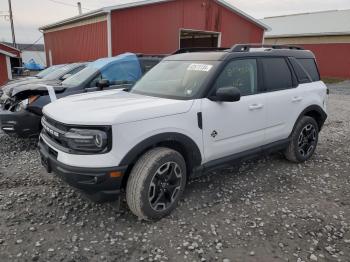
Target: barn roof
106	10
9	50
8	46
335	22
3	52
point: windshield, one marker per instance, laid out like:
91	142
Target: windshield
80	77
59	72
175	79
47	71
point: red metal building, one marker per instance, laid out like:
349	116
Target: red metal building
8	56
150	27
325	33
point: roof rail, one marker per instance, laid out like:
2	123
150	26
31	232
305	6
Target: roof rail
199	49
150	55
247	47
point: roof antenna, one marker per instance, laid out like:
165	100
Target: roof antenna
79	8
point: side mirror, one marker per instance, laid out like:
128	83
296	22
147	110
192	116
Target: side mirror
66	76
228	94
102	83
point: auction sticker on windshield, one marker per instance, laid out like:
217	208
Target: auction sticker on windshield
199	67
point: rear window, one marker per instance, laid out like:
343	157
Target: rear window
277	75
311	67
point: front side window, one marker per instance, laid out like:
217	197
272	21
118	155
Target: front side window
242	74
175	79
277	75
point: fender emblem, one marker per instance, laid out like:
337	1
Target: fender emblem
214	134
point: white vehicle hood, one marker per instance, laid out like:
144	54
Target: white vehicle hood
112	107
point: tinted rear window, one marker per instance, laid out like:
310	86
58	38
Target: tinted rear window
277	75
310	66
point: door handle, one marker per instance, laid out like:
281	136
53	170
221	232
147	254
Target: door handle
256	107
297	99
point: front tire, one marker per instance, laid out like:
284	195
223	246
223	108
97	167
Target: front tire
304	140
156	183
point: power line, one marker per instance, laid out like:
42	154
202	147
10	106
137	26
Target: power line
66	4
36	41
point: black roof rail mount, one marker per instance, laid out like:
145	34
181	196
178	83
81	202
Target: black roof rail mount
199	49
150	55
247	47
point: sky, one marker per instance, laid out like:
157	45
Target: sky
29	15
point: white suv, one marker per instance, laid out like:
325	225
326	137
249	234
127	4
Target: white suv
191	113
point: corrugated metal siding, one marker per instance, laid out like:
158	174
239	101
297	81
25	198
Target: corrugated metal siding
154	29
333	59
82	43
235	29
3	70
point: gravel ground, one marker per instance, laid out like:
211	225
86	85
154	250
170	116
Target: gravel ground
264	210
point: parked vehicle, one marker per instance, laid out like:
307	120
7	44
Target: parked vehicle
191	113
17	96
22	114
41	75
52	75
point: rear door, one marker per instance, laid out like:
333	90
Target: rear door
284	97
234	127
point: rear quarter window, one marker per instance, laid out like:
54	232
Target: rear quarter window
276	73
300	72
310	67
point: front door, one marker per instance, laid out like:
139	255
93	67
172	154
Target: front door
234	127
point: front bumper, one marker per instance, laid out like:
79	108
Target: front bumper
98	183
23	124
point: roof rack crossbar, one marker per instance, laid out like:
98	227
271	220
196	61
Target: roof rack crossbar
247	47
199	49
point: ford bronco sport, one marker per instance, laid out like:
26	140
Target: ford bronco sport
191	113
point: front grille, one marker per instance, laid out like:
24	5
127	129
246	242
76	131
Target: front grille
54	132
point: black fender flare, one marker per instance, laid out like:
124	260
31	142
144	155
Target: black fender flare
189	148
309	111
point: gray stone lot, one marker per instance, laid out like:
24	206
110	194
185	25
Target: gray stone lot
264	210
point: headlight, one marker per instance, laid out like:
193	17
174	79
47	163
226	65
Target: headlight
25	103
22	105
87	140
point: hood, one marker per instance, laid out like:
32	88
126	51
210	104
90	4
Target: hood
32	85
113	107
8	87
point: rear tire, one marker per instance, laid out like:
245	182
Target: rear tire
156	183
304	140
